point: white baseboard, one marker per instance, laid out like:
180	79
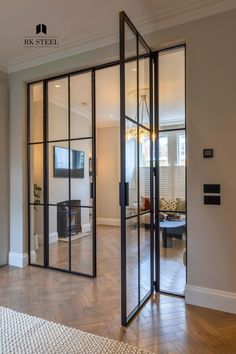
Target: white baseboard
33	257
210	298
86	227
53	237
108	221
18	259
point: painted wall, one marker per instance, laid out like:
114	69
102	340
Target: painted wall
4	192
108	175
211	107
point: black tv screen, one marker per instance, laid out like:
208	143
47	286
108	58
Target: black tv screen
61	163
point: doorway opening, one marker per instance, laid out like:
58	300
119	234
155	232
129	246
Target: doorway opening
107	157
172	171
108	172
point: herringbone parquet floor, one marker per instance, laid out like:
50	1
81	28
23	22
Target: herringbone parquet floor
165	325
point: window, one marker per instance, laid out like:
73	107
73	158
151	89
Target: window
181	150
163	150
144	151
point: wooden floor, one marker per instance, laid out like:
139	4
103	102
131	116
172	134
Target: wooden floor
165	325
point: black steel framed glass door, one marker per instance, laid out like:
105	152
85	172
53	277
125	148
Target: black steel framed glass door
61	173
136	183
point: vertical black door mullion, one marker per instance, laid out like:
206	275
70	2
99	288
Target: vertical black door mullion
138	167
94	235
69	171
157	175
28	171
122	172
151	174
45	174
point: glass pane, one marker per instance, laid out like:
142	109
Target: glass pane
132	263
59	236
172	89
172	159
144	92
36	112
58	109
145	260
81	170
58	172
36	234
130	43
107	101
131	90
36	173
131	167
144	169
142	49
173	252
81	106
82	240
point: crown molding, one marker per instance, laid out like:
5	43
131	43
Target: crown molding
3	68
168	17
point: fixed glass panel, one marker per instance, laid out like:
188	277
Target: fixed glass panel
144	91
131	167
172	172
172	89
80	106
81	239
107	101
36	112
59	221
36	213
81	171
36	173
130	42
144	169
131	89
58	109
173	252
58	172
132	262
145	255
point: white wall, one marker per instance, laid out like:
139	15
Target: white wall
4	192
108	175
211	107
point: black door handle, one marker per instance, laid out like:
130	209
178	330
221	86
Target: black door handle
124	193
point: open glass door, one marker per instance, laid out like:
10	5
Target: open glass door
136	185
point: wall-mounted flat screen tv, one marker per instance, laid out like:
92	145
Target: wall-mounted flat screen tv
61	163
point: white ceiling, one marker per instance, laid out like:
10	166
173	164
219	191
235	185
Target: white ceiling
81	25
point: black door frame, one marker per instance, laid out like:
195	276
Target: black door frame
93	69
45	143
157	168
127	317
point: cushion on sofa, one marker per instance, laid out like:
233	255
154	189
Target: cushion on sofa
169	204
181	205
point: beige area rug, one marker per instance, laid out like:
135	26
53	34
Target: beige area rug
21	333
74	237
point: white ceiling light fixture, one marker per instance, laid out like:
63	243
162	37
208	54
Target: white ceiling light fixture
57	86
